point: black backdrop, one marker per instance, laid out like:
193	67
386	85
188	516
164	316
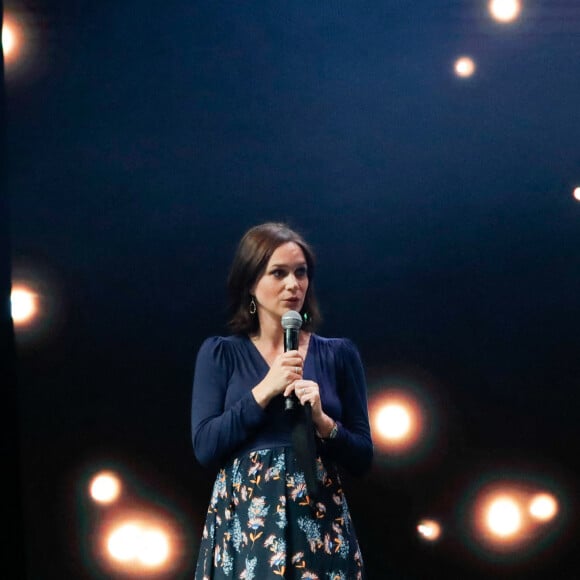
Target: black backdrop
143	138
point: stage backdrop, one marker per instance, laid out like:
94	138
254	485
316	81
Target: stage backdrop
144	138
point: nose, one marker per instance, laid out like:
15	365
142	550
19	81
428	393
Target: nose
291	282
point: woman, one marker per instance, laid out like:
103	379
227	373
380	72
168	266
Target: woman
263	522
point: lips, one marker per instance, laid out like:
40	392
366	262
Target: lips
291	300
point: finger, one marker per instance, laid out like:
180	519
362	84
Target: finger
294	366
291	388
292	354
305	393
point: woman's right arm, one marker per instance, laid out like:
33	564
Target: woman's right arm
216	431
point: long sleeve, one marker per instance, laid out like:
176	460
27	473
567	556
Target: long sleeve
220	421
352	447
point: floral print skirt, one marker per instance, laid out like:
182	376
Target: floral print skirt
261	524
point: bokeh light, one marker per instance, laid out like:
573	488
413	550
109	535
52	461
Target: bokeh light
429	530
36	303
23	44
577	194
23	304
105	487
510	519
504	516
505	10
394	421
140	544
9	39
12	41
543	507
404	415
464	67
397	421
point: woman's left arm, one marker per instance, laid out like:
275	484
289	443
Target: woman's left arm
352	446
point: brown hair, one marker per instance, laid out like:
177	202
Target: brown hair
252	256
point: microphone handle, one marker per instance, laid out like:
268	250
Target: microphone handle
290	339
291	343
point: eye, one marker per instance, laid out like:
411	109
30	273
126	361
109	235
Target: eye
301	272
278	273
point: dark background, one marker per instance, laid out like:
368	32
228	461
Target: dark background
142	140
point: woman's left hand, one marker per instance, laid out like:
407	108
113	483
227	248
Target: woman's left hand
307	392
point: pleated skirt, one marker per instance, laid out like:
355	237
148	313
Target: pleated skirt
261	524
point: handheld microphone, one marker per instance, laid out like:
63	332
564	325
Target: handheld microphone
291	323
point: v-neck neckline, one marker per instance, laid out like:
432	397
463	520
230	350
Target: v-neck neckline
265	362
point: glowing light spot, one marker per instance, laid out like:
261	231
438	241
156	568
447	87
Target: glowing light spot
140	544
153	548
429	530
12	44
399	423
543	507
505	10
504	517
105	487
123	543
464	67
24	305
577	193
394	421
8	39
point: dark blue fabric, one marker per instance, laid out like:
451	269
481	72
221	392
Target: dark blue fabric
226	420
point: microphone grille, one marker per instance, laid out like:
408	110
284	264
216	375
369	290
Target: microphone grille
291	319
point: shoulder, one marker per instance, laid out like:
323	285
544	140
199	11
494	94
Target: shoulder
221	347
338	347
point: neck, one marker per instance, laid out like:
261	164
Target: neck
270	331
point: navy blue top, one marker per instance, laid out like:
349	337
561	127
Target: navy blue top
226	420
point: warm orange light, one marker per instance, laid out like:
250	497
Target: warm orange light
505	10
105	487
504	516
24	305
464	67
543	507
394	421
429	530
509	519
11	39
397	420
8	39
140	545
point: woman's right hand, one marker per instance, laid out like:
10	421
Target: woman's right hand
286	368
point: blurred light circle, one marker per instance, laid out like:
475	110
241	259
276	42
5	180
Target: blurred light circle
153	548
505	10
464	67
23	304
429	530
141	544
394	421
543	507
504	517
124	542
8	39
577	193
105	487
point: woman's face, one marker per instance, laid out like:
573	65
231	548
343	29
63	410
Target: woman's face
283	284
